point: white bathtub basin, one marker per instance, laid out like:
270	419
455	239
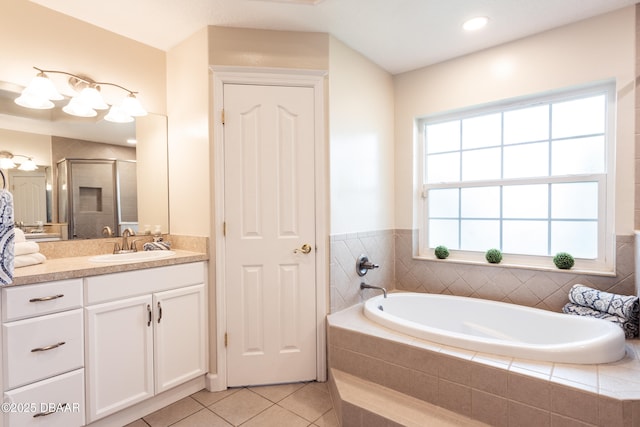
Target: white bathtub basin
499	328
140	256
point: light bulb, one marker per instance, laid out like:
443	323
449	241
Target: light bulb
118	115
91	97
76	107
132	106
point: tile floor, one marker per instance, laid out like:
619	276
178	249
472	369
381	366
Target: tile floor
283	405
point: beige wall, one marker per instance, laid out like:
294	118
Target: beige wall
361	99
188	110
595	49
268	48
31	35
31	144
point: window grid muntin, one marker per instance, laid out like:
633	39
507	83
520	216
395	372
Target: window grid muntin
548	179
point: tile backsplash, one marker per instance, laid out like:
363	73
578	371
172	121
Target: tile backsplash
393	250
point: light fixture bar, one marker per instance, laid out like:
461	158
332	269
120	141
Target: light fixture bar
41	92
6	161
86	80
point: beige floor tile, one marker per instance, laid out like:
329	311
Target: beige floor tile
173	413
276	393
202	418
138	423
240	406
208	398
310	402
276	416
328	419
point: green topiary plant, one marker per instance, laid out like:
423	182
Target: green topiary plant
494	256
441	252
563	260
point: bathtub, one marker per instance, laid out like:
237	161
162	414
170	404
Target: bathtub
499	328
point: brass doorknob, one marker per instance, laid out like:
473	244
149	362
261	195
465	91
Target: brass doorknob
305	249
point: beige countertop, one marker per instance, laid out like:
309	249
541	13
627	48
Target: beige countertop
80	266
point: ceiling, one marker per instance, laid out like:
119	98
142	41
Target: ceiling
398	35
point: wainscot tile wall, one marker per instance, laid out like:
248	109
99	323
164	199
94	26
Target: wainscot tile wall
345	250
393	250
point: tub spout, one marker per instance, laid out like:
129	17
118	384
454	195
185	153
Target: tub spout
366	286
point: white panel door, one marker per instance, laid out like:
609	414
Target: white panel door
29	198
269	217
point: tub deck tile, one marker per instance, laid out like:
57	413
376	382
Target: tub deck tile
538	393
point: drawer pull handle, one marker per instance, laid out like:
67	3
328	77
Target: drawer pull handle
48	347
44	414
150	315
46	298
159	312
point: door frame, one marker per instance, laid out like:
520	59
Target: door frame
314	79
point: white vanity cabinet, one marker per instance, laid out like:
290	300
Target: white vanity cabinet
145	333
43	354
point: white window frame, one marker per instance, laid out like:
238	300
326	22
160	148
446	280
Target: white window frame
604	264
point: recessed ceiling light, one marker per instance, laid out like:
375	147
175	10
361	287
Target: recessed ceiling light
475	23
132	141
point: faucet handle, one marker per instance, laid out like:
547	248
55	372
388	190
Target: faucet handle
116	248
133	246
363	265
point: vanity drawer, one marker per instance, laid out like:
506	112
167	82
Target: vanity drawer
37	348
19	302
43	403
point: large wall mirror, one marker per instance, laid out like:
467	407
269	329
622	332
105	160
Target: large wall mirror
90	181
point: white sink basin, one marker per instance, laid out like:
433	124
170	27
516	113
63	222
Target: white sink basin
132	256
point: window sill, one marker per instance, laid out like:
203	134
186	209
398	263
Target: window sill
592	269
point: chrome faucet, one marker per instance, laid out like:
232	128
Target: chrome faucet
125	246
366	286
106	231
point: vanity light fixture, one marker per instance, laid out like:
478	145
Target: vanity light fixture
475	23
41	92
6	162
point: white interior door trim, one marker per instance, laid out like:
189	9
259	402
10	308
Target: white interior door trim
222	75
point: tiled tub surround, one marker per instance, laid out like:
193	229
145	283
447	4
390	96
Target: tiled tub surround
534	288
345	250
393	250
495	390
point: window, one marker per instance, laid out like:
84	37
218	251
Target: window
530	178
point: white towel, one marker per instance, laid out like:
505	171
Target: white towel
19	236
6	237
30	259
26	248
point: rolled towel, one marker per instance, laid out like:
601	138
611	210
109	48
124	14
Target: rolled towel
20	236
625	306
29	259
26	248
157	246
629	327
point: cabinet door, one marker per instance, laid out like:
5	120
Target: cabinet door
119	358
180	336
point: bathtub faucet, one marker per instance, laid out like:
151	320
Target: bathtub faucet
366	286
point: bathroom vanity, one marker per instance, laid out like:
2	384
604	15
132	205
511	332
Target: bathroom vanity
110	346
